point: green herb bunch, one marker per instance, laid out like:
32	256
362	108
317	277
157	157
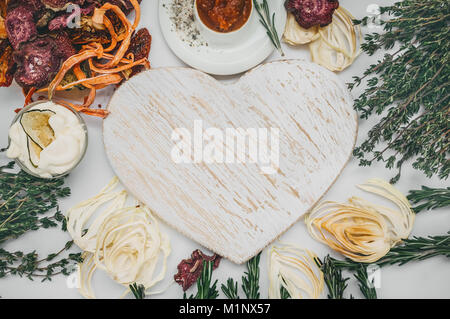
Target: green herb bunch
334	280
250	282
429	198
138	291
408	89
27	204
414	249
205	288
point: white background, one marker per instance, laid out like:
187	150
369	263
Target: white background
425	279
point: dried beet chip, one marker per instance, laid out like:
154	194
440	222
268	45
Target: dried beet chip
309	13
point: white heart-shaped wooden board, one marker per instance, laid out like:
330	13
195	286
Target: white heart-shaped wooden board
234	209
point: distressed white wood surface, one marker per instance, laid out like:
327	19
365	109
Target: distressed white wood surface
232	209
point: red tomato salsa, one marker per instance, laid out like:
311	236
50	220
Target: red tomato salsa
224	15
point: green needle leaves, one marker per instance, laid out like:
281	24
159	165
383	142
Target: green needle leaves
25	205
409	89
268	21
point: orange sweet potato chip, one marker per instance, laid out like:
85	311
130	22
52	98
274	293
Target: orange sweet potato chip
6	63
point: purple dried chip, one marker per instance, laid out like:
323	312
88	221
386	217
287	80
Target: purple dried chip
309	13
38	62
65	48
33	5
20	26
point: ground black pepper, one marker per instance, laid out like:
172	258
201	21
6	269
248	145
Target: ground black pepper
181	12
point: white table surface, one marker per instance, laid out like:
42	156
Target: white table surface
425	279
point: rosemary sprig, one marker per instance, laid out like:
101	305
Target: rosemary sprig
138	291
333	277
367	288
430	198
204	288
417	248
268	22
284	293
250	282
409	89
414	249
230	290
25	204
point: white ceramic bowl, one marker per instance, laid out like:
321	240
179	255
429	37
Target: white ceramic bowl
224	38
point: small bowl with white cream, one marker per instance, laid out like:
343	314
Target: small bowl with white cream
47	140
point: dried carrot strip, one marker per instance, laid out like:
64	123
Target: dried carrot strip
84	108
118	69
127	39
114	37
28	98
104	79
137	10
69	63
107	56
80	75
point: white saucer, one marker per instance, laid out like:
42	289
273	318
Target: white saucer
221	58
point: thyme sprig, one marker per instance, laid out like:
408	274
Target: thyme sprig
409	89
268	22
27	204
429	198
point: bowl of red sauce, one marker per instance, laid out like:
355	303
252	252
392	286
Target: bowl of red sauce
223	20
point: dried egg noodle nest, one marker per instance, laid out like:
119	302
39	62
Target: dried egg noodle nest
294	34
294	269
123	241
338	44
360	230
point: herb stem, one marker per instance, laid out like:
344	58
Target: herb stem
268	22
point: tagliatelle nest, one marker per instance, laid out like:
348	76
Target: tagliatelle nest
294	269
294	34
335	46
360	230
123	241
338	45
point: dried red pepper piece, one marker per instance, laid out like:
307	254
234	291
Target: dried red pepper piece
309	13
140	46
189	270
